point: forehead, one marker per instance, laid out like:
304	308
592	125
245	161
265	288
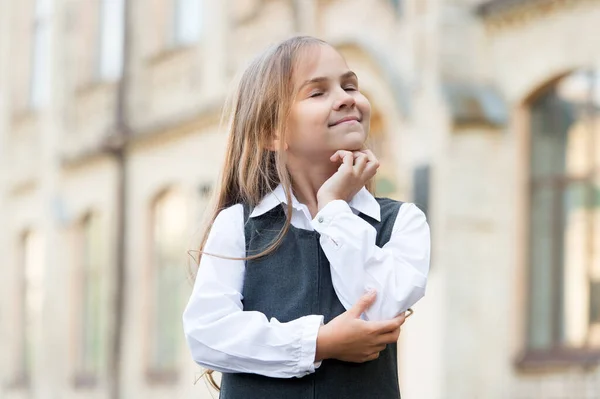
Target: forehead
319	61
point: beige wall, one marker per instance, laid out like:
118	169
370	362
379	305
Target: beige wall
526	53
466	332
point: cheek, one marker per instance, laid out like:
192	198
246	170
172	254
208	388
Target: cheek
300	126
364	106
310	117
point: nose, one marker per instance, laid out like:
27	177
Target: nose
344	99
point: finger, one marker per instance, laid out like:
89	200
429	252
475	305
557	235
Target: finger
348	160
369	154
372	160
372	164
400	319
363	303
338	156
386	326
370	170
380	347
372	357
390	337
360	162
394	323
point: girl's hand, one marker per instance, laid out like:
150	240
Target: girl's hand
351	339
355	170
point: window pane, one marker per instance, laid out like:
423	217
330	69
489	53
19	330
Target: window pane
43	8
581	87
188	21
579	158
112	25
579	90
41	60
93	317
169	280
397	4
421	186
594	314
542	289
33	267
168	311
550	118
576	258
594	285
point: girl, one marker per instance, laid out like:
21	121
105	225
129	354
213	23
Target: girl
296	240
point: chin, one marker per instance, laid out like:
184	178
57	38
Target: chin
354	147
355	141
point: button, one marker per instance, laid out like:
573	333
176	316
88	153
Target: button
320	219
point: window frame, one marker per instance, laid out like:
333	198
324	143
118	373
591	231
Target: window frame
556	355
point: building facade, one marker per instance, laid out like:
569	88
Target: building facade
485	114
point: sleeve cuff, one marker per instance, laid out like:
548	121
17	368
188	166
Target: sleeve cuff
324	217
308	344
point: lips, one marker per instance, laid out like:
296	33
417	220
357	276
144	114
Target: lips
345	119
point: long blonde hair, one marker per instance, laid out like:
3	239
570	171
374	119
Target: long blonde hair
259	114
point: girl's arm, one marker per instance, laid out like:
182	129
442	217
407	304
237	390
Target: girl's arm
221	335
398	271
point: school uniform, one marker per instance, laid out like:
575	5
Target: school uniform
257	321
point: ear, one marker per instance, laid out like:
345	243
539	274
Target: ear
275	144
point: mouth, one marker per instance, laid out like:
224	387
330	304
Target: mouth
347	119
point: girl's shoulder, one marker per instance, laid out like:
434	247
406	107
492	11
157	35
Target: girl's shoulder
233	214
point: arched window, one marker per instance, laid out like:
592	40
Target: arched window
564	256
168	283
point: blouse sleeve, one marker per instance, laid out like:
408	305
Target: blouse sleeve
397	271
221	335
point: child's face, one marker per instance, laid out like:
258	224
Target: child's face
329	113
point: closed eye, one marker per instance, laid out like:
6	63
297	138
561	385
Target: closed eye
316	94
350	88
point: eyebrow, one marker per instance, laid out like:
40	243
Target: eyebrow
320	79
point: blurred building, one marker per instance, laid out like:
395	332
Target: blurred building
486	114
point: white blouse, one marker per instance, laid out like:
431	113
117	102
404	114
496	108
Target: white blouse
223	337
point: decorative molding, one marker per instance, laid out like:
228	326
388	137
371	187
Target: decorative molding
251	14
558	359
23	186
23	116
182	123
495	7
94	86
85	381
474	104
21	382
168	53
498	14
162	377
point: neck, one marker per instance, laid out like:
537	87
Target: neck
307	179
